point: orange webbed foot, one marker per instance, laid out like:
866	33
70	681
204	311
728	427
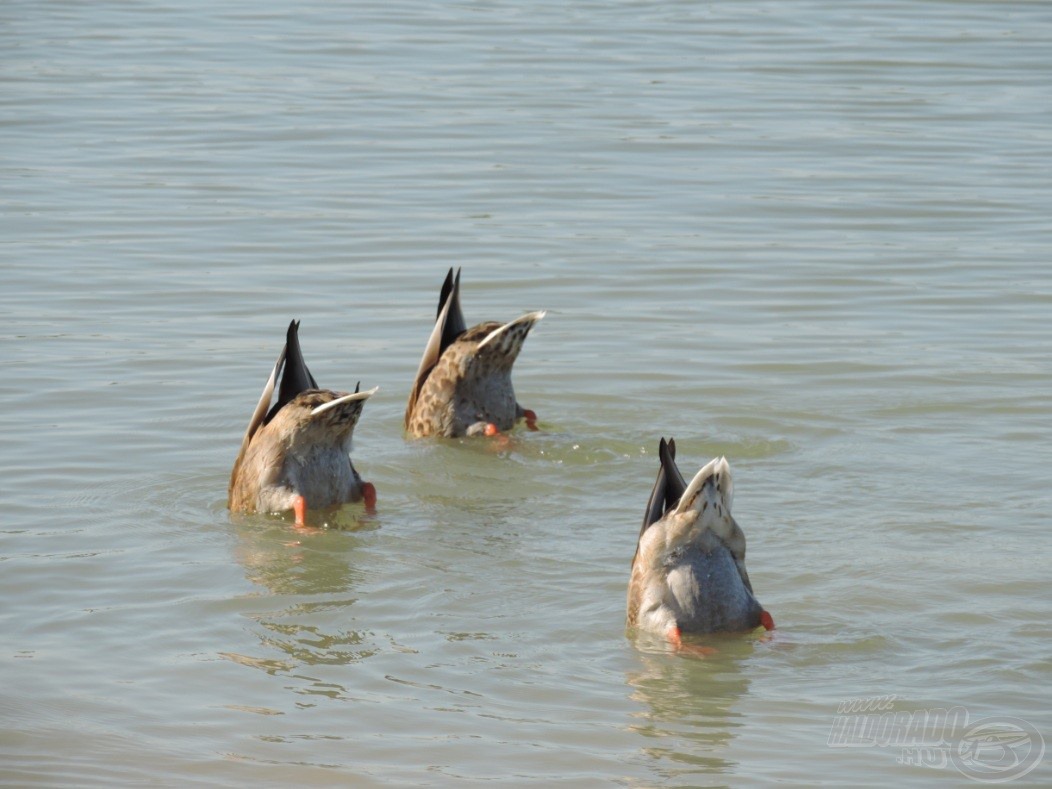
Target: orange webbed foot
299	506
501	441
531	419
369	497
675	638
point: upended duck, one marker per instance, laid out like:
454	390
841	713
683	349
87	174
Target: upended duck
295	453
463	385
688	572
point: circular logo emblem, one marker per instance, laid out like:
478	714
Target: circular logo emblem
998	749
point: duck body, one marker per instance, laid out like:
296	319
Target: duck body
295	454
463	385
688	573
704	592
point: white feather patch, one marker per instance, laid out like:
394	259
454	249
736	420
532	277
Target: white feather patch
689	499
529	317
345	399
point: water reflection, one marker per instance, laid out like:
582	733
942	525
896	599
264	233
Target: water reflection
689	700
288	560
314	575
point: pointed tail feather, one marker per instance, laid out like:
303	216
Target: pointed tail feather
656	503
296	378
711	485
341	414
454	324
676	484
339	402
501	346
448	326
502	335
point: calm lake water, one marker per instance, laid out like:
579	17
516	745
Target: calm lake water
812	236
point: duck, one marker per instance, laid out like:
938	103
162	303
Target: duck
688	571
295	452
463	384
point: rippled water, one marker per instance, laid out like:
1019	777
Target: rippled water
814	237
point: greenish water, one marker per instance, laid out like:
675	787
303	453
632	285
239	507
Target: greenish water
811	237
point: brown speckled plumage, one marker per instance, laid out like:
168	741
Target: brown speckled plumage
298	446
464	379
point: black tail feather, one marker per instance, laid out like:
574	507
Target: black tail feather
295	377
455	325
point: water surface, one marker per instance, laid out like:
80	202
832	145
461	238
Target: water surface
811	237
